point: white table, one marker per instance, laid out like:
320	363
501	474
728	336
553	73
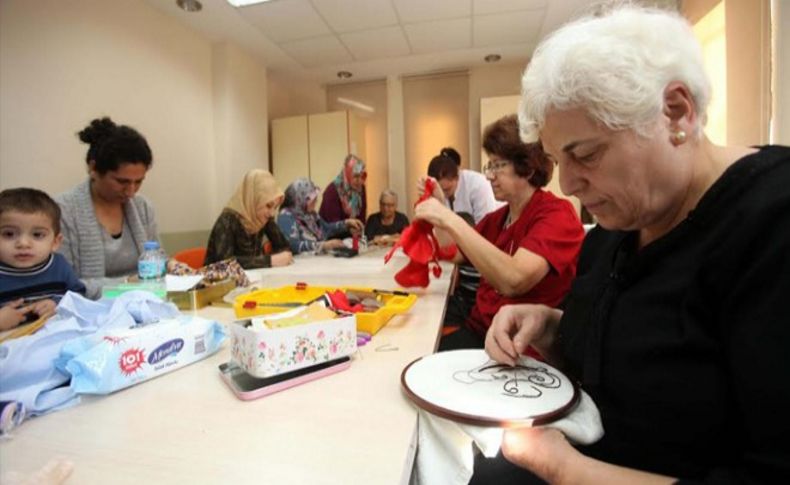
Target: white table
187	427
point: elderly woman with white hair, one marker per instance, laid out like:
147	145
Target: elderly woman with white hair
384	227
677	322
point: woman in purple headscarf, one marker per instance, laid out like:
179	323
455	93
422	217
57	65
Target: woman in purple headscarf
344	197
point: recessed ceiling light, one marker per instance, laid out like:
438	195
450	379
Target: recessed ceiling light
344	74
244	3
190	5
492	57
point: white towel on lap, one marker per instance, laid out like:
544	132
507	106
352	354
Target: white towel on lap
445	451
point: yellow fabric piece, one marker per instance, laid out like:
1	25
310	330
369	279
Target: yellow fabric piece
315	312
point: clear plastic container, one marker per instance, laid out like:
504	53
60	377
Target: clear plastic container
152	266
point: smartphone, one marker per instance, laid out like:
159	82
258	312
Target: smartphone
345	252
247	387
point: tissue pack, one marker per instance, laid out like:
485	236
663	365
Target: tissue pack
110	361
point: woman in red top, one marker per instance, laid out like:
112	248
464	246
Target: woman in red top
526	251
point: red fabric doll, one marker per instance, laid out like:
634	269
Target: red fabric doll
420	245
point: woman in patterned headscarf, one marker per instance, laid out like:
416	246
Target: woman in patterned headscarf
344	197
305	229
246	229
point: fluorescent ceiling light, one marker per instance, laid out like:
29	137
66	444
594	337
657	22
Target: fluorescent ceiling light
244	3
356	104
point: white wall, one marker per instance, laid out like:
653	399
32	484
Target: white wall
781	81
486	82
435	110
747	89
240	118
65	63
374	95
396	141
748	71
293	97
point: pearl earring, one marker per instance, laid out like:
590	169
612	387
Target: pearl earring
679	137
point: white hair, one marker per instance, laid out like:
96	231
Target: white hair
388	193
616	67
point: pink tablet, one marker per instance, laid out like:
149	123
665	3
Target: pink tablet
247	387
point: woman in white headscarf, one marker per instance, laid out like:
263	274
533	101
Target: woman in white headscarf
246	229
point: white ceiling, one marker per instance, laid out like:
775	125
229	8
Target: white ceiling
314	39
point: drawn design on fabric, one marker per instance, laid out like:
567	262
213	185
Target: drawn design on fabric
521	381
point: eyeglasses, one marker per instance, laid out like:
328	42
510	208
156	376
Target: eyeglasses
495	166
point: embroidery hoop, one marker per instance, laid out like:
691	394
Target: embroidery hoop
432	383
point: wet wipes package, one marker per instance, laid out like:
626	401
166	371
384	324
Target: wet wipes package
109	361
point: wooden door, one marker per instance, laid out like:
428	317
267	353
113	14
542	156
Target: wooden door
329	145
290	149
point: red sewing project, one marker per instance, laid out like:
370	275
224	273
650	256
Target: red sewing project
420	245
340	302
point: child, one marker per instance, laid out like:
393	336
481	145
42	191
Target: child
32	276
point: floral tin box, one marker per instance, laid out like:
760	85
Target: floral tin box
264	352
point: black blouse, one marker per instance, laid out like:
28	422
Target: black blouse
684	345
229	239
374	227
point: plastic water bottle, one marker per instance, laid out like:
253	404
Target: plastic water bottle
151	268
162	264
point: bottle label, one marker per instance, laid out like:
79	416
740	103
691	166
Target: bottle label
149	270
